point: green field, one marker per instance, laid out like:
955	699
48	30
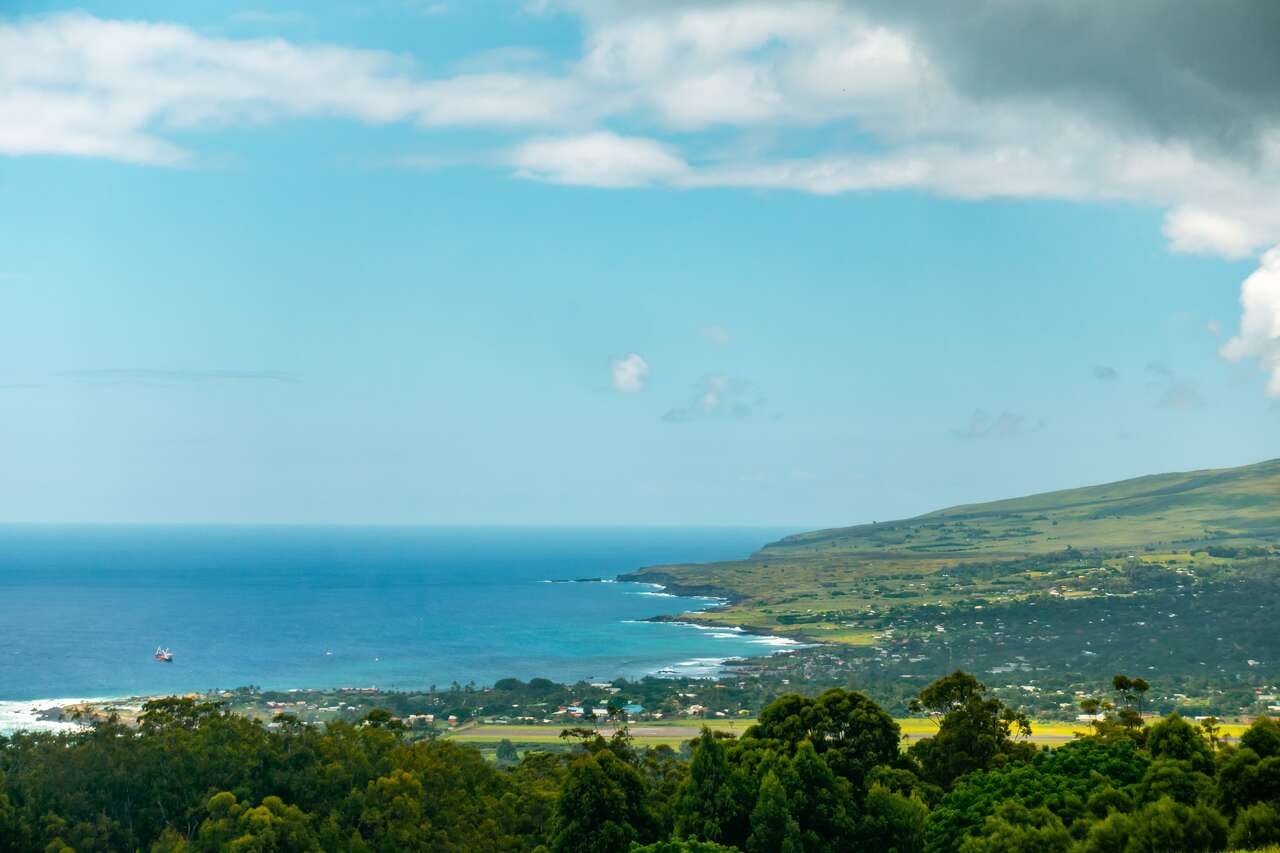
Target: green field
675	733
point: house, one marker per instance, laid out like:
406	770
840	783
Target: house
633	709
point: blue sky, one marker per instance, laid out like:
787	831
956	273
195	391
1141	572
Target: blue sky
501	263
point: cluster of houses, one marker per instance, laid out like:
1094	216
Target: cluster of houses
582	711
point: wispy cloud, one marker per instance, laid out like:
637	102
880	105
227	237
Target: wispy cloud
267	17
1182	395
597	160
74	84
139	376
718	396
1175	391
1103	373
717	335
983	425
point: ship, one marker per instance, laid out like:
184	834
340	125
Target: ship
163	655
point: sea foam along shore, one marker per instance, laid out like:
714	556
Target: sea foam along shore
34	715
708	667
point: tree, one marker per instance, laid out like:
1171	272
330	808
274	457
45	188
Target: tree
1159	827
1256	826
682	845
1139	686
773	828
1263	737
270	826
1212	732
892	822
1166	825
506	752
820	801
851	732
1014	828
1173	737
709	805
1168	777
15	834
602	806
973	731
381	718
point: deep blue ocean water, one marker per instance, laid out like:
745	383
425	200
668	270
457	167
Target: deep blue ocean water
83	608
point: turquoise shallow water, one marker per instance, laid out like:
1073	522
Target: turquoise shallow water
83	608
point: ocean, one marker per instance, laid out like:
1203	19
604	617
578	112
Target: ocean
82	609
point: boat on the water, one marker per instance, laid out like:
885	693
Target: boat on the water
163	655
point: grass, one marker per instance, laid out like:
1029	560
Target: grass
913	728
825	584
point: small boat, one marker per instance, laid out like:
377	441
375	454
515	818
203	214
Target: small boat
163	655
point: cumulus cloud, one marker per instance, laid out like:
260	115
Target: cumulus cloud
717	396
1259	336
983	425
630	374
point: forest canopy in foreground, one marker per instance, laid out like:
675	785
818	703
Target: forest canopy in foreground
814	774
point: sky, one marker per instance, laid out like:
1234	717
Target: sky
748	263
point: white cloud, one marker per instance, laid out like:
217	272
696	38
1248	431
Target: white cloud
1259	335
597	160
1190	229
74	84
713	93
630	374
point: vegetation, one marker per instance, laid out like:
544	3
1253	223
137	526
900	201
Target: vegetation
821	773
826	580
1176	574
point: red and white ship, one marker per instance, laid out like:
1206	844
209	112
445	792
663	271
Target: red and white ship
163	655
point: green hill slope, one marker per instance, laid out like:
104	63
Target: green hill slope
1069	543
1167	510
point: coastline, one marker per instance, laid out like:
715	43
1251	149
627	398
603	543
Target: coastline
710	667
669	583
52	714
45	715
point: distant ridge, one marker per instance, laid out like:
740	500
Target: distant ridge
1132	538
1167	509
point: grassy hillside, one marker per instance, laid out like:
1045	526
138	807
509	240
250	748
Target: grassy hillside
1073	543
1166	510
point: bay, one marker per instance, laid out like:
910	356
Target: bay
82	608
